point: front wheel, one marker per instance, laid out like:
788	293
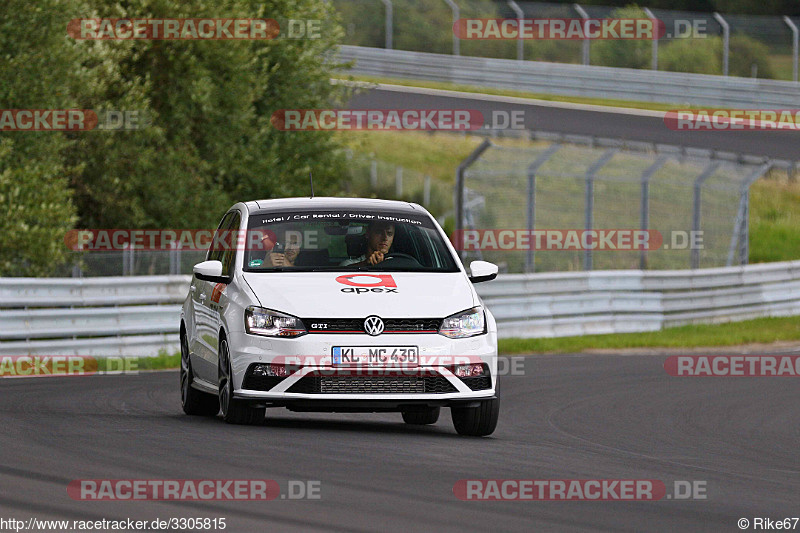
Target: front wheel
476	421
193	401
234	411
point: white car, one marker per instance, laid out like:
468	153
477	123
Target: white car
344	305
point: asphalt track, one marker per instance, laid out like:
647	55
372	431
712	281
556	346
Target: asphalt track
629	124
567	417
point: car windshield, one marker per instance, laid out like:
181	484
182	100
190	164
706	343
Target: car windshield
345	240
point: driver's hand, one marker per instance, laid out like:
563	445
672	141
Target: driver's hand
375	258
277	259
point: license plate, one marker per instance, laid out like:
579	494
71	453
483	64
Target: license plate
375	355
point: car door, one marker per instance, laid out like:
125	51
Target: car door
215	299
204	347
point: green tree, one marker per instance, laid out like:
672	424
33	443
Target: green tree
37	71
210	141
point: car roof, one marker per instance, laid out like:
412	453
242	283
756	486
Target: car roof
322	202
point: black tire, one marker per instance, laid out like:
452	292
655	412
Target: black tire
193	401
234	411
421	418
476	421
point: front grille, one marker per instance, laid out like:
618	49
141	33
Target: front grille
368	384
356	325
412	324
478	383
372	385
252	381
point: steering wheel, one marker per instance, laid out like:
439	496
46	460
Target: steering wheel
399	255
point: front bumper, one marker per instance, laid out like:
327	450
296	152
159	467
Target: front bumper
313	353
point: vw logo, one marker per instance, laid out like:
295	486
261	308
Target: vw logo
373	325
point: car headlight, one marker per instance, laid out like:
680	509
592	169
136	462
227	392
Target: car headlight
260	321
464	324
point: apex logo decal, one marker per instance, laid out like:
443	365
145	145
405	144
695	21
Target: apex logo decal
361	283
217	292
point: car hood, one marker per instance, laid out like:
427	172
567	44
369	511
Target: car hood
354	295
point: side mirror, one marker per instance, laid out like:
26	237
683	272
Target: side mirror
210	271
482	271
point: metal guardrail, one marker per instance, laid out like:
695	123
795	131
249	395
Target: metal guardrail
525	305
575	80
622	301
82	292
113	316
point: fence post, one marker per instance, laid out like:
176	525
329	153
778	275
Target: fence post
532	169
398	182
654	53
456	40
740	226
645	203
127	260
459	192
698	188
795	45
426	191
589	200
726	41
389	25
584	15
373	175
520	15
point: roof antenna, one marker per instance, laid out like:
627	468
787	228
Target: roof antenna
311	179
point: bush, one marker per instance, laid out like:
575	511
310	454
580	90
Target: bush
689	55
744	53
634	53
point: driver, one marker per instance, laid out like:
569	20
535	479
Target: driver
380	235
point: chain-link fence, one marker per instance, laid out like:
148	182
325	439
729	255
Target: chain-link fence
130	262
691	41
367	177
693	204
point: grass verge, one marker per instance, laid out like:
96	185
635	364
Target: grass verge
760	330
159	362
652	106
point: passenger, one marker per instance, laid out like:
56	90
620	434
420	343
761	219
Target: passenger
284	252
